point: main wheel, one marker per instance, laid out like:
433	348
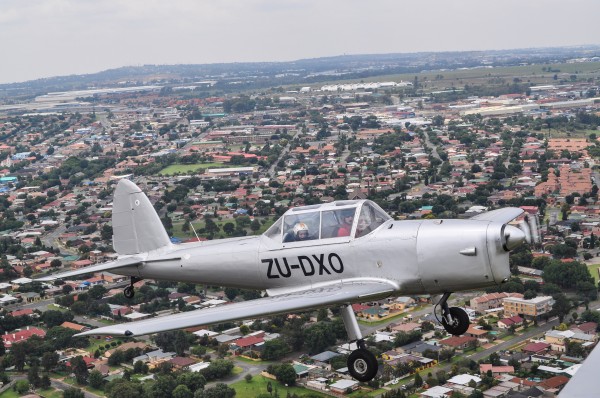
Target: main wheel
460	321
362	365
128	292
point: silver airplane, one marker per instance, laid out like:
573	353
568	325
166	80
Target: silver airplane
315	256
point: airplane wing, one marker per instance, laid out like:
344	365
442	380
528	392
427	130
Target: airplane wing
284	303
501	215
122	262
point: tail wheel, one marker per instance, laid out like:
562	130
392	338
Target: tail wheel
459	322
362	365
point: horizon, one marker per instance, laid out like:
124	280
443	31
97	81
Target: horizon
302	59
51	38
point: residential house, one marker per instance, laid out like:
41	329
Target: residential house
496	370
459	343
506	323
182	363
536	348
491	301
21	335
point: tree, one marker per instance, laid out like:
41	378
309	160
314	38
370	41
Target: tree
229	228
45	382
319	336
19	354
33	376
561	307
121	388
182	391
192	380
274	349
248	378
181	343
286	374
79	368
220	390
21	386
164	386
418	380
96	379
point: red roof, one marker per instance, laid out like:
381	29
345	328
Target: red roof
456	341
22	335
554	382
536	347
248	341
359	307
26	311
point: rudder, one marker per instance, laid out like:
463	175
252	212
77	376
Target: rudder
136	225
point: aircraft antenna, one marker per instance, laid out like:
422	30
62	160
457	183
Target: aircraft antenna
194	229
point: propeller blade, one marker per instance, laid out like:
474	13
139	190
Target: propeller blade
524	226
513	237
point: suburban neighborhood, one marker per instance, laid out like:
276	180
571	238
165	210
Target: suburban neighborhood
228	164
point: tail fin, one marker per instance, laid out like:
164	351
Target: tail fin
136	226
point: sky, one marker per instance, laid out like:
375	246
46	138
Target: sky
44	38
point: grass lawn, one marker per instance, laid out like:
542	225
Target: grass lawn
374	393
593	268
237	370
57	308
9	394
248	360
191	168
51	393
258	385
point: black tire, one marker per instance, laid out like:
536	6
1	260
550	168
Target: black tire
362	365
128	292
460	322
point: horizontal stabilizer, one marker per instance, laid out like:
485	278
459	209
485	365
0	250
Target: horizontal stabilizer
120	263
503	216
298	301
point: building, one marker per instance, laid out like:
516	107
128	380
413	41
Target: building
491	301
506	323
532	309
459	342
21	335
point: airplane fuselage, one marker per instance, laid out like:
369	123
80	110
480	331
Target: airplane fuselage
416	257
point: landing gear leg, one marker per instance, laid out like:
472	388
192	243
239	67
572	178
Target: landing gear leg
129	292
362	364
454	319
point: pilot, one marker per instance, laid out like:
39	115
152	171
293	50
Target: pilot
299	233
346	225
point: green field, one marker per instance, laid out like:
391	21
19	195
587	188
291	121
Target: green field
593	268
442	80
190	168
258	385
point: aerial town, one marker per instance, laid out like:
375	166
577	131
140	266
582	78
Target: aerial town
227	163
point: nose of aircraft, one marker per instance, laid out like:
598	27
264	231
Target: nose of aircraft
513	237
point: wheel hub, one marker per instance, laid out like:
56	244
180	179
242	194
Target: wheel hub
360	366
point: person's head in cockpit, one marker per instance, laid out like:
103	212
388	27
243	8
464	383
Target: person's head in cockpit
301	231
346	225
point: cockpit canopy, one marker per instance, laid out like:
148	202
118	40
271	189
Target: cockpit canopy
347	218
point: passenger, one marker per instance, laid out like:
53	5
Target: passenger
298	233
346	225
363	227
